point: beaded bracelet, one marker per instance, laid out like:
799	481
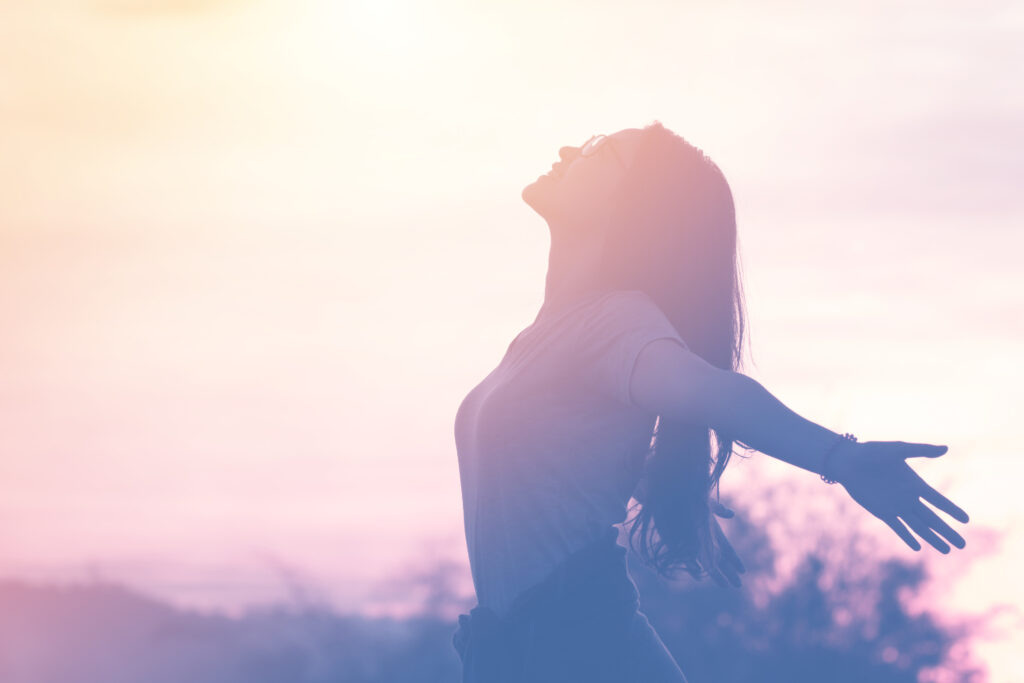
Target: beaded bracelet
824	458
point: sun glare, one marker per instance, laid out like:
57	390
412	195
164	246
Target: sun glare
383	28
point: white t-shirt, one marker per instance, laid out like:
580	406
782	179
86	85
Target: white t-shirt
550	445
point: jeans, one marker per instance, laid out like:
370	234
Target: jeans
580	624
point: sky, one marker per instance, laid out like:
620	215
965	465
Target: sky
253	254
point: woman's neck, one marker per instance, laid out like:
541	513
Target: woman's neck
572	274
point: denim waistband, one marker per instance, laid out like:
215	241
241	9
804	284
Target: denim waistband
570	625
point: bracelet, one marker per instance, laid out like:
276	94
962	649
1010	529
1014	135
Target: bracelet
824	458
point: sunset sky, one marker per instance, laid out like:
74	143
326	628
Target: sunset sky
253	254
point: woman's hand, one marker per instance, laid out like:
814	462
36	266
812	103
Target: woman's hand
730	566
877	476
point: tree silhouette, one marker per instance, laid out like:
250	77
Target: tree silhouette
839	615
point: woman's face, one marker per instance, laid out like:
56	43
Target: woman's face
578	190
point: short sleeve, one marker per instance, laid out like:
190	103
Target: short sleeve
611	337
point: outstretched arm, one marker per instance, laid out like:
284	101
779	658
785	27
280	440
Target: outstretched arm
674	382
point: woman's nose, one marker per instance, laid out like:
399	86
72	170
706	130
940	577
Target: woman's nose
568	152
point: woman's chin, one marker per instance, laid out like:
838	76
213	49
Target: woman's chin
536	193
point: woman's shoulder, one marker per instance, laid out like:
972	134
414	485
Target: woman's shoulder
621	312
622	302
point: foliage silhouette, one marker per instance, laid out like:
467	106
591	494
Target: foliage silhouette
840	617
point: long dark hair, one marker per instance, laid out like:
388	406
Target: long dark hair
674	237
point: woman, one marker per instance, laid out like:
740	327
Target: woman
625	385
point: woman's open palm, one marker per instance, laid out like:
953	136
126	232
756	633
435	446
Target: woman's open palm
877	476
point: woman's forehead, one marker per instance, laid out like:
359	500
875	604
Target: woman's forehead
627	141
627	133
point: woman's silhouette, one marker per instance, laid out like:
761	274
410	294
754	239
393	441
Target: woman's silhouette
625	386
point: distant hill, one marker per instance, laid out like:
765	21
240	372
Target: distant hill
106	633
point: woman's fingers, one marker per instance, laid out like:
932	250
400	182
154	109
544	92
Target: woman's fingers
924	450
729	566
721	510
944	504
928	516
896	525
922	530
730	554
719	577
726	574
734	578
